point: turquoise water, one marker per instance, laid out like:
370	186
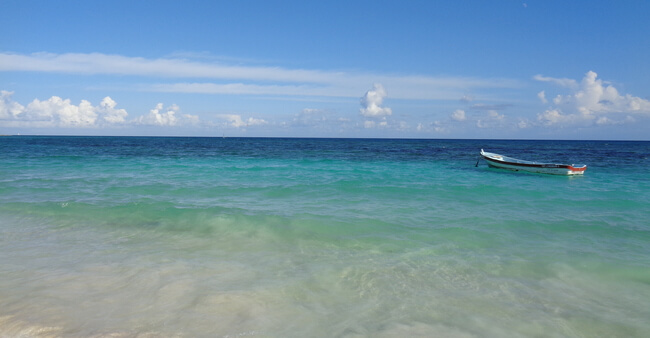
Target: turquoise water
212	237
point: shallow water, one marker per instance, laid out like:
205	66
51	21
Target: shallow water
205	237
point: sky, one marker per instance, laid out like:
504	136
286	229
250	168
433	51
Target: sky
506	69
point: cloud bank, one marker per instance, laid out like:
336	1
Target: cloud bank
236	121
57	112
591	101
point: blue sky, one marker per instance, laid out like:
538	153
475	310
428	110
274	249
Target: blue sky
414	69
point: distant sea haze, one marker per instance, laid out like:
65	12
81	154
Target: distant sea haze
210	237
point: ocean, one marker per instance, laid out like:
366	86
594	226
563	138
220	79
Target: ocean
273	237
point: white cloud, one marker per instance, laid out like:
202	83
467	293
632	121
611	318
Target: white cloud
371	102
483	106
97	63
522	124
493	119
375	124
61	112
236	121
467	98
458	115
270	80
168	117
9	109
438	127
432	127
594	97
542	97
310	117
592	101
57	112
555	116
570	83
108	112
191	119
242	89
493	114
157	117
607	121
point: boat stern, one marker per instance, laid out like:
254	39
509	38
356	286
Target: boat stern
577	170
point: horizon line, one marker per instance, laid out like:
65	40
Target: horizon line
334	138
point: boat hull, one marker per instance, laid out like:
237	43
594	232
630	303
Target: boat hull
497	161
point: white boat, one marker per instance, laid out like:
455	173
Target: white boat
505	162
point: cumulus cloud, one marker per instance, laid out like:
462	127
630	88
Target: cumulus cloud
438	127
62	112
592	101
310	117
321	119
458	115
57	112
108	112
9	109
555	116
492	120
594	97
432	127
371	102
542	97
523	124
374	124
236	121
369	124
158	117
